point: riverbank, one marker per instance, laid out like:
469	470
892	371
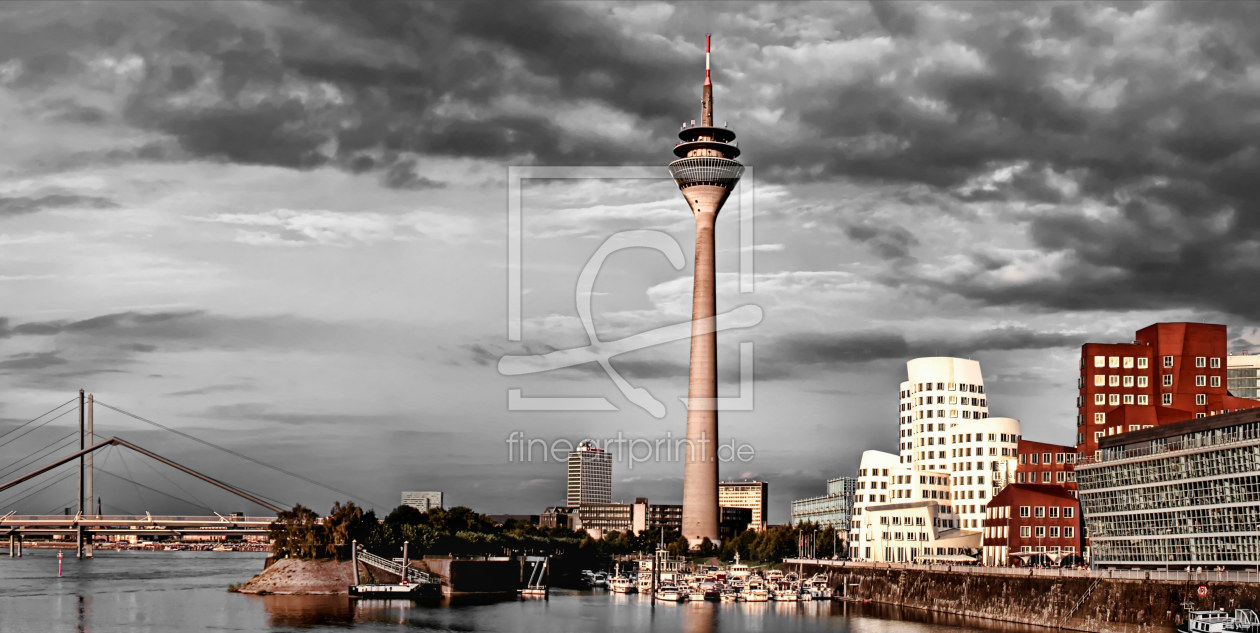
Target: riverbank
292	576
1096	605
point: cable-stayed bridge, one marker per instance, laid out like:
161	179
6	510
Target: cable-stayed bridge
82	520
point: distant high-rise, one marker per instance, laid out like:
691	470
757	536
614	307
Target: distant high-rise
754	495
705	172
590	475
422	501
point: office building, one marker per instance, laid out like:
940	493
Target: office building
590	475
983	455
422	501
1180	494
1042	463
1242	378
705	172
735	521
1032	523
1169	373
559	517
914	531
606	517
754	495
835	509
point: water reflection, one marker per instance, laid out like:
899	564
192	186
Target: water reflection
184	592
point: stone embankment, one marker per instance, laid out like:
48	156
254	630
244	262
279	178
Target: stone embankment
294	576
1098	605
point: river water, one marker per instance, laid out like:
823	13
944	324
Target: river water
177	592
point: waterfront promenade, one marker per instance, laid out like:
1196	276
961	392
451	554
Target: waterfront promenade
1159	575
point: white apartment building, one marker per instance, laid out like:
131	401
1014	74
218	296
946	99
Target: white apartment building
590	475
917	530
938	392
983	455
952	458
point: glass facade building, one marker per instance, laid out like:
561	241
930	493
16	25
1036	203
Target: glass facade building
1183	494
1243	376
835	509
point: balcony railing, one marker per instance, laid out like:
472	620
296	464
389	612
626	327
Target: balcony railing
1174	445
721	172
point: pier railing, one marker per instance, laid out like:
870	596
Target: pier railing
1171	575
414	575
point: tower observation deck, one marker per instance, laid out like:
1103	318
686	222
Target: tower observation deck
706	171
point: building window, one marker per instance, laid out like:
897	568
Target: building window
1059	477
1100	418
1167	398
1024	511
1100	398
1045	477
1168	361
1100	361
1128	381
1200	381
1216	363
953	413
1128	362
1141	362
1167	380
1054	531
1113	381
1041	531
1025	531
1039	512
1216	381
1128	398
1068	511
1114	361
1098	435
1142	400
1069	532
1200	361
1100	380
1114	399
1200	399
1134	427
1141	381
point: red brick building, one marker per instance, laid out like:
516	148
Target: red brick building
1026	519
1169	373
1042	463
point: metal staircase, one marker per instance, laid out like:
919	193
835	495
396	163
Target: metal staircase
1084	597
413	575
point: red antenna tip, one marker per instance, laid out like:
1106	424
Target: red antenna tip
707	37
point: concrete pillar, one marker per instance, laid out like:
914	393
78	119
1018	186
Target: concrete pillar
19	545
700	471
11	540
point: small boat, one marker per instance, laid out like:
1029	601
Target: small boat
400	590
223	548
624	584
695	595
600	579
756	592
1220	621
727	596
670	593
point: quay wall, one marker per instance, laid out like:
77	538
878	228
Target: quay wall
1112	606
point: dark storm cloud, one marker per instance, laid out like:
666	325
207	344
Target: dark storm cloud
32	361
20	205
888	241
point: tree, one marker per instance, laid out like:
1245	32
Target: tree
680	547
405	515
347	523
297	533
707	548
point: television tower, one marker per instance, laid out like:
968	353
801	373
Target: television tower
706	172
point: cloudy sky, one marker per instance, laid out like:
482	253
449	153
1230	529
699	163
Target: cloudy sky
283	227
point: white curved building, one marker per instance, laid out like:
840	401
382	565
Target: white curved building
939	392
982	461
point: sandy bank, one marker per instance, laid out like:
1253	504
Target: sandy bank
294	576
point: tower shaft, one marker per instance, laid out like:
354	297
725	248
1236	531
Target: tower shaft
706	172
700	472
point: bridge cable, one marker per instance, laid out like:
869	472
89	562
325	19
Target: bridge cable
134	483
122	458
57	480
63	443
46	413
245	457
36	428
181	488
